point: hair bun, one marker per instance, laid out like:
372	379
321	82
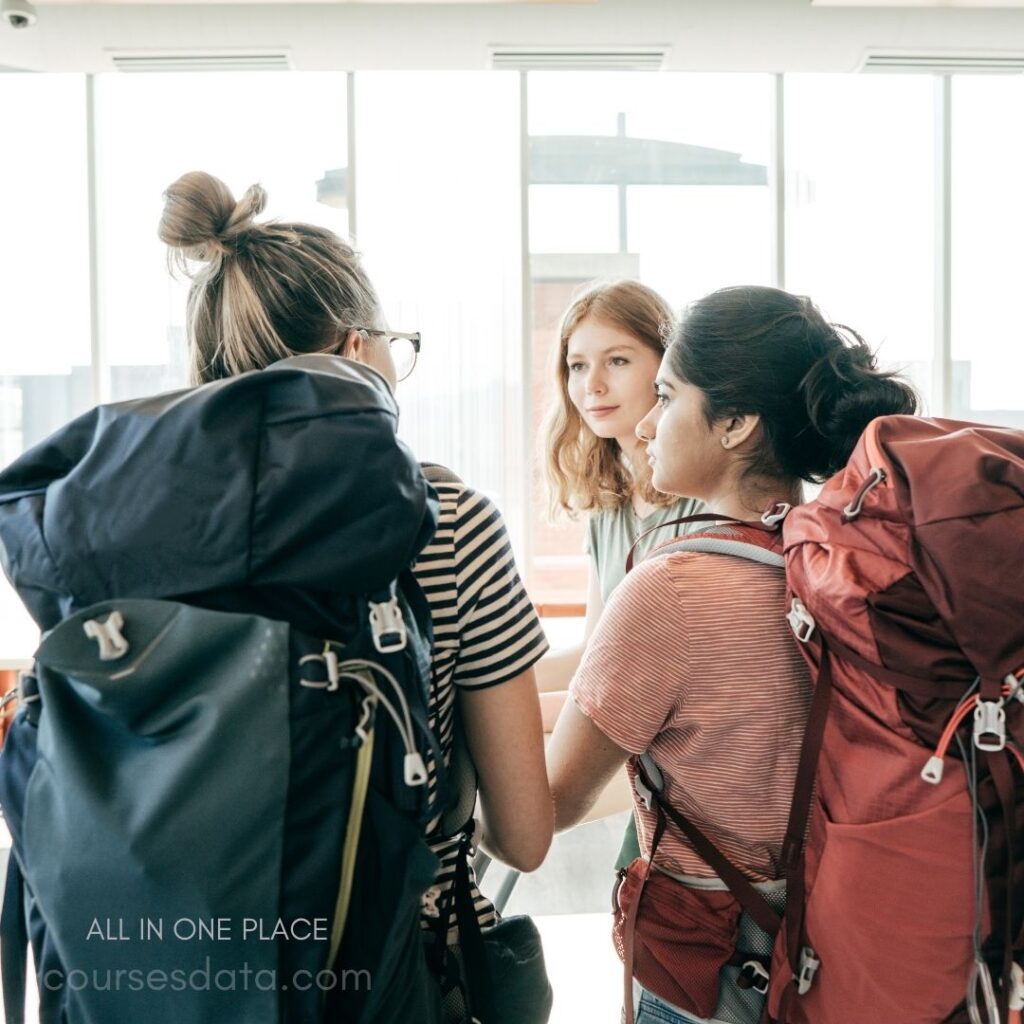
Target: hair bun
249	206
844	390
201	215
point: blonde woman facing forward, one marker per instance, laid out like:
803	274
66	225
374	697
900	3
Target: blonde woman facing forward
610	344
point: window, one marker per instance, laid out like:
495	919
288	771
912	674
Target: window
860	208
45	347
287	132
438	222
658	177
988	267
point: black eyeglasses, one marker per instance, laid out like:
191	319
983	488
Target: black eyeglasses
404	348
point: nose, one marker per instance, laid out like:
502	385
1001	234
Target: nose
594	382
647	428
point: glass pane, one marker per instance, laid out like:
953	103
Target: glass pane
988	267
45	378
860	223
662	178
44	345
439	224
286	131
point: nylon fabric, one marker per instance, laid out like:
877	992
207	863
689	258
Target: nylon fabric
915	596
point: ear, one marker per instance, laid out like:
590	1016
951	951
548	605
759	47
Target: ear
734	430
354	346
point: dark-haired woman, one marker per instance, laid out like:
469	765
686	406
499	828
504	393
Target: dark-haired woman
693	662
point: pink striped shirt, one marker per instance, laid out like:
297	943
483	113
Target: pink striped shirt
693	660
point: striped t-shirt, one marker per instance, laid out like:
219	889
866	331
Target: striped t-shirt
693	661
486	632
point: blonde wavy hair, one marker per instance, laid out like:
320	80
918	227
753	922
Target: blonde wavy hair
585	472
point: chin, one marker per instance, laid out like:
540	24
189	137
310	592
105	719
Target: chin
659	483
603	430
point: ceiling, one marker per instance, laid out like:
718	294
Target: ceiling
344	35
213	3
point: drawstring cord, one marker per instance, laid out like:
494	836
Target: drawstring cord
933	769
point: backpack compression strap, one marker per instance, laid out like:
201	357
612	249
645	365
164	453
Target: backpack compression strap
13	943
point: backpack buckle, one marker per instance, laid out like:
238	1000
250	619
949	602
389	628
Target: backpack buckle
754	977
871	481
990	725
388	626
776	514
648	772
1017	987
809	964
800	620
643	791
108	635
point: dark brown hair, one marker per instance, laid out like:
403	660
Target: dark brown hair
815	385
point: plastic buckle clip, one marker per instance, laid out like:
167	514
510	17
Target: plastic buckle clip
809	964
990	721
776	514
331	667
754	977
1017	988
648	780
388	626
800	620
108	635
643	791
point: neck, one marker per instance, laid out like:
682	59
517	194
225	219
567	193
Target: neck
751	498
633	448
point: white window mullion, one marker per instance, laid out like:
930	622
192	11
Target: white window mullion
525	476
98	356
942	367
777	182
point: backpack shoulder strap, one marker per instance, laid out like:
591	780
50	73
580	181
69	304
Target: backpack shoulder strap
744	536
461	775
438	474
461	779
767	918
730	542
13	943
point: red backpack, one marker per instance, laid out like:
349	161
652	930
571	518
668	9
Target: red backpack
903	853
906	580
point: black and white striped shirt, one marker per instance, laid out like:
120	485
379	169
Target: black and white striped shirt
486	632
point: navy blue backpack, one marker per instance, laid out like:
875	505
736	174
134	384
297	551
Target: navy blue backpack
216	781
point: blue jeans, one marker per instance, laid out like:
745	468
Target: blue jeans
652	1010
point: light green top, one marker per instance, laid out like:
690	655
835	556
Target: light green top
611	533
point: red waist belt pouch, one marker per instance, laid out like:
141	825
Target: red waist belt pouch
679	938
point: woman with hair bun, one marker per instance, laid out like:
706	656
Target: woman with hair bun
268	291
693	663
